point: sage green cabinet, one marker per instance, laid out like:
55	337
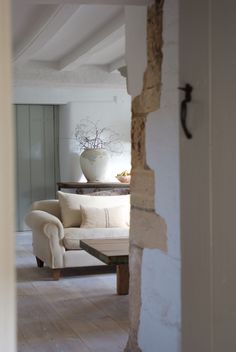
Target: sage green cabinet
37	167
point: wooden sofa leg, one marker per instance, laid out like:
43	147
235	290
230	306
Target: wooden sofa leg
40	263
56	274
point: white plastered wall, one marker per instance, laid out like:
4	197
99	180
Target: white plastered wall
160	319
110	108
7	271
161	301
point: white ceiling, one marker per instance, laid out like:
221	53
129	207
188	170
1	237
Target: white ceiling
65	38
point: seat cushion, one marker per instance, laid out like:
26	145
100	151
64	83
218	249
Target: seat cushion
73	235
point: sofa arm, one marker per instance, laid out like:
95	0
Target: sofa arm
48	232
45	223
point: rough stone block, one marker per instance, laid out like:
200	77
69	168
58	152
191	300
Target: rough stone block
142	189
148	230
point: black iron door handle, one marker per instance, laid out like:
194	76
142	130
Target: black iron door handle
183	109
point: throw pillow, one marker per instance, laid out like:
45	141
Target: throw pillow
104	217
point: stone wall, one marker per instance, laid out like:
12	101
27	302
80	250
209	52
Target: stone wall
148	229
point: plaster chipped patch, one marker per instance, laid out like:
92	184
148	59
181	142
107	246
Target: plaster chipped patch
148	230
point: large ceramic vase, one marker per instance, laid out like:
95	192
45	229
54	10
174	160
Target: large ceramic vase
94	164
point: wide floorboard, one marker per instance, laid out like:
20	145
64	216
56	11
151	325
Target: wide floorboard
78	313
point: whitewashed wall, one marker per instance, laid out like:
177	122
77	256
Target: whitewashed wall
111	108
160	319
108	105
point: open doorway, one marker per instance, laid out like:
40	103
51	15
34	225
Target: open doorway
80	75
137	86
71	56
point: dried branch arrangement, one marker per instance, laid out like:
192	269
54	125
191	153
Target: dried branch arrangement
90	136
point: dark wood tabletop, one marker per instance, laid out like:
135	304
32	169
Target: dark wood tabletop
108	250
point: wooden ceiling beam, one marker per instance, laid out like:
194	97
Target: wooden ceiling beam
50	26
110	32
120	62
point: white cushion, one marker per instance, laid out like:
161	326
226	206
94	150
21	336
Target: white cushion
70	205
104	217
73	235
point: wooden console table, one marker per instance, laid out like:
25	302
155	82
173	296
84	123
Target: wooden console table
85	187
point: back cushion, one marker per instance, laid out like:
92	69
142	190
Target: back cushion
70	205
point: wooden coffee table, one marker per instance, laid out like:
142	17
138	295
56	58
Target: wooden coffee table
112	251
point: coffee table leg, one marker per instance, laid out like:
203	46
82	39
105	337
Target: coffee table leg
122	279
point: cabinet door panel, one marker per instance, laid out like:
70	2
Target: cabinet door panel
37	166
23	179
36	156
49	157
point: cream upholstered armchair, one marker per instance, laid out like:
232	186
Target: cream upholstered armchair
59	225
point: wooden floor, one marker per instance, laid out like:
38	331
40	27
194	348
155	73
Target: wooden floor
75	314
